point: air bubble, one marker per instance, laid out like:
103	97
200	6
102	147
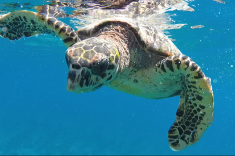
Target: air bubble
215	81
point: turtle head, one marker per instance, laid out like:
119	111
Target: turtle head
92	63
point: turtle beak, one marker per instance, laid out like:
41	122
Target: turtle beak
81	80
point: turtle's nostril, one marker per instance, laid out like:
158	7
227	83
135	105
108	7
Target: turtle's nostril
76	66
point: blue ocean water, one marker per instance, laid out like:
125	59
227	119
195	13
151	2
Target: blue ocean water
39	116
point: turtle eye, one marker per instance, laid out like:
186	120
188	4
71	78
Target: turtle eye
100	67
76	66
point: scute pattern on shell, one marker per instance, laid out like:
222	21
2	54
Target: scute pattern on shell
149	38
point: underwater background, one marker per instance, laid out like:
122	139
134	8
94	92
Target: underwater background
39	116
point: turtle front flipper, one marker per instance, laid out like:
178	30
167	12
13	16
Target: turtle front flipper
195	112
16	24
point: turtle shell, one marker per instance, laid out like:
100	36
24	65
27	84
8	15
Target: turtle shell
150	38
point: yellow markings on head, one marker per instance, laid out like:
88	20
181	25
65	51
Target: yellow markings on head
113	53
85	58
117	53
111	59
85	52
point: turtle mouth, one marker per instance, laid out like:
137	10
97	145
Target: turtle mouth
82	80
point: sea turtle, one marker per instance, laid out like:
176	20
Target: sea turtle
150	11
131	57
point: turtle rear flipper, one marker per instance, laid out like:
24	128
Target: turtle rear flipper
16	24
195	112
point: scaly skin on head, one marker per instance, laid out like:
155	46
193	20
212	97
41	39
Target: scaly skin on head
92	63
97	58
